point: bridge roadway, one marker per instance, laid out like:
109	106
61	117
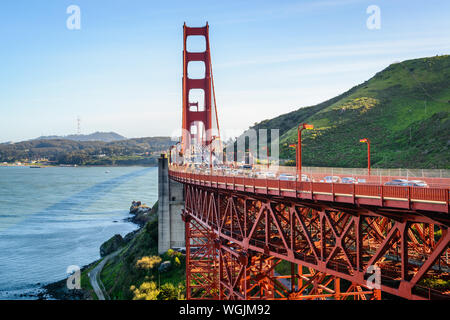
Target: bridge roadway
351	226
434	199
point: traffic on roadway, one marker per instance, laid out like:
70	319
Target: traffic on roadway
284	173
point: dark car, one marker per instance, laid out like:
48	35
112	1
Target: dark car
398	182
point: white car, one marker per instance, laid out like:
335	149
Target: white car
419	183
305	178
270	175
286	177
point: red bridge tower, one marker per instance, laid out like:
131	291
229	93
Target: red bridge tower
193	116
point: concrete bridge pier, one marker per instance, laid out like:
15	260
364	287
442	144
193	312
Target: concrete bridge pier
170	204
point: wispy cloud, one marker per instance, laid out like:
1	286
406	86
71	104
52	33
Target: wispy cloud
439	45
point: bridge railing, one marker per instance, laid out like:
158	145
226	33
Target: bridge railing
433	177
374	193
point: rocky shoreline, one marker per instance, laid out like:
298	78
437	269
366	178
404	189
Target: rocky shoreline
59	291
141	214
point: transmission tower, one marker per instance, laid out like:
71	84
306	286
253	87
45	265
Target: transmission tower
78	125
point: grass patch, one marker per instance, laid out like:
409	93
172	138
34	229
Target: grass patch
403	110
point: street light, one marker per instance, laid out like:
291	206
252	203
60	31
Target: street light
295	148
300	128
366	140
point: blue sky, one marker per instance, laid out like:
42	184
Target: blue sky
122	70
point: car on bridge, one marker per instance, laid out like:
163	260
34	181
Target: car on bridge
267	175
331	179
305	178
251	174
348	180
418	183
271	175
407	183
237	172
397	182
261	174
286	177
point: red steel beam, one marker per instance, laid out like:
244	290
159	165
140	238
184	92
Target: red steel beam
335	242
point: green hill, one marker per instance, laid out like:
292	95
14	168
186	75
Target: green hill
136	151
96	136
403	110
131	274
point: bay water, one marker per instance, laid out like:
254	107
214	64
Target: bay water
56	217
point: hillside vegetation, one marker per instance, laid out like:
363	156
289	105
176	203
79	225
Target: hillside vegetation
138	151
403	110
135	272
96	136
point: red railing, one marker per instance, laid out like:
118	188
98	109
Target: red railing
428	199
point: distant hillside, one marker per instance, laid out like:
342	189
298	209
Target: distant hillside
138	151
403	110
96	136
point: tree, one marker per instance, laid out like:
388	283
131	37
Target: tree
148	263
146	291
168	292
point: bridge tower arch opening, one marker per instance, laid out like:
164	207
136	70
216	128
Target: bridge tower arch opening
197	92
200	122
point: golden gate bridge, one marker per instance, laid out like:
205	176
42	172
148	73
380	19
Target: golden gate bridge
355	240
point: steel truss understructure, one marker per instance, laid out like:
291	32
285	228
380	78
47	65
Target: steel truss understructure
234	241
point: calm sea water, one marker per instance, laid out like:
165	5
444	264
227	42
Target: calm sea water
52	218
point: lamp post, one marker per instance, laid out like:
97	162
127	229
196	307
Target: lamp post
296	154
366	140
300	128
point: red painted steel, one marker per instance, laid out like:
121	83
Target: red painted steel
205	84
244	229
240	230
431	200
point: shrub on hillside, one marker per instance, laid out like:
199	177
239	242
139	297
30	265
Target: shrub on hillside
148	263
146	291
169	292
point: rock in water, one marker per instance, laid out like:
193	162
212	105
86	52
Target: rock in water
142	213
136	206
111	245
